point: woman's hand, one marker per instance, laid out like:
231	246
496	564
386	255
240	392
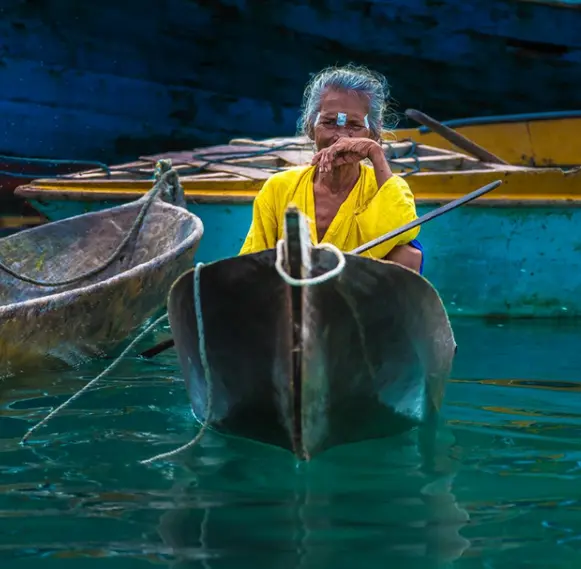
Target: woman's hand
346	151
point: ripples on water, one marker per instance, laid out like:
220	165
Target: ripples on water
504	491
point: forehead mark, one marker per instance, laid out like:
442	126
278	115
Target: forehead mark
342	119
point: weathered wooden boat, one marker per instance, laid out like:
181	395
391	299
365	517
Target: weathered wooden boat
523	234
533	139
363	355
64	95
119	264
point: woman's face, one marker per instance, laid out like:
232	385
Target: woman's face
352	104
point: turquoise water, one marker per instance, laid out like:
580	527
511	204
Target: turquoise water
504	492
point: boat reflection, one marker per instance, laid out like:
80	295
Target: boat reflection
390	499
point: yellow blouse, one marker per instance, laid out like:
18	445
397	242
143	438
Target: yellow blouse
367	213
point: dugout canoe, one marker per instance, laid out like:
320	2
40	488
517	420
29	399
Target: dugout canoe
92	317
364	355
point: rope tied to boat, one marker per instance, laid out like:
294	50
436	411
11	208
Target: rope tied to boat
115	363
237	157
94	381
207	375
167	185
393	159
51	162
310	281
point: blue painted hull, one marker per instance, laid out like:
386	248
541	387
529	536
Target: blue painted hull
110	80
484	261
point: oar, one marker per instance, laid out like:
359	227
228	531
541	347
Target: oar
166	344
158	348
428	217
454	137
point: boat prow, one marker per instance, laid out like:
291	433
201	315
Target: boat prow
363	354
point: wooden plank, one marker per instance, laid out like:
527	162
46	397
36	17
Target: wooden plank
211	152
220	155
440	163
270	142
234	165
238	160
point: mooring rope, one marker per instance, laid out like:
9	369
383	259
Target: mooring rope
94	381
312	281
236	156
411	153
50	162
115	363
167	181
207	375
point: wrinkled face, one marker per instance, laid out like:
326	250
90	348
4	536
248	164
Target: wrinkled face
353	108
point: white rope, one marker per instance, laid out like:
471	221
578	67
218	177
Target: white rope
93	381
312	281
207	375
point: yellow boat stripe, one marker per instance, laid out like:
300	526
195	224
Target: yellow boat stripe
519	185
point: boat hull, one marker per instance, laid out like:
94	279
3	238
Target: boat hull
16	172
483	246
536	139
82	100
376	351
56	326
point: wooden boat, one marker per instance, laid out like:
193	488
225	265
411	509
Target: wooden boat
234	173
521	234
533	139
82	100
47	325
363	355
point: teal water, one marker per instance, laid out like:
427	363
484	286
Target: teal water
504	490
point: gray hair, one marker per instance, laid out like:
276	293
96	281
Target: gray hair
349	78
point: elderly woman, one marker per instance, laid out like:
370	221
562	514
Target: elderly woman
348	202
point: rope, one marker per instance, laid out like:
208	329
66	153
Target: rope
207	375
167	182
93	381
51	162
411	153
218	158
202	342
237	155
203	358
313	280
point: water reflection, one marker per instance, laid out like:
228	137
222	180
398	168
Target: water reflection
374	499
498	489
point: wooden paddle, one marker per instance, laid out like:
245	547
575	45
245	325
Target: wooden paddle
454	137
428	217
166	344
158	348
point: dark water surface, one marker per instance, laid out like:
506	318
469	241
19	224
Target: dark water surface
505	491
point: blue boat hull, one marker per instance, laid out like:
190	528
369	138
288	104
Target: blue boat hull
519	261
109	80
